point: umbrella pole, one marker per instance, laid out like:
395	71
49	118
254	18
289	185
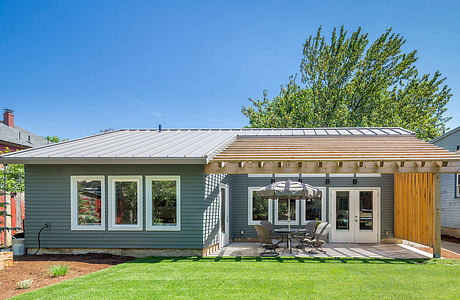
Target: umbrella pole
289	225
289	212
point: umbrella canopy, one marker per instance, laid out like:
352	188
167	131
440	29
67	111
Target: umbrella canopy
289	190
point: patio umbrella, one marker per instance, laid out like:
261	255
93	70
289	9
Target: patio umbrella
289	190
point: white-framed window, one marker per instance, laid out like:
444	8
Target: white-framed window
125	202
457	185
281	212
260	175
87	194
163	203
259	209
313	209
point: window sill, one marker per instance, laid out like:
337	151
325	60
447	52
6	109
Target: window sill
125	228
163	228
82	228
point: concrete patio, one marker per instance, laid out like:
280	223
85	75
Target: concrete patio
332	250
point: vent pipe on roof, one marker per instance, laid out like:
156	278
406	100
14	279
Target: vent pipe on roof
159	128
8	117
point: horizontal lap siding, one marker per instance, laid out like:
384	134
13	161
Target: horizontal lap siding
48	201
211	221
450	205
239	199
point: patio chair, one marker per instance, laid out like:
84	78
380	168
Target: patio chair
269	226
307	234
266	241
319	238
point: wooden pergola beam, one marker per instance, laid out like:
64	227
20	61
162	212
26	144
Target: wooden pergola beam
270	167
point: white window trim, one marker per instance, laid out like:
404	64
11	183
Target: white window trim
260	175
303	220
306	175
112	212
250	207
288	175
74	203
148	199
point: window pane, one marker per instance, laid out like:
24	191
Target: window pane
126	202
342	218
164	202
365	210
259	208
313	209
89	202
283	209
222	210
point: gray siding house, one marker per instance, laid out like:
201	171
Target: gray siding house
450	187
190	191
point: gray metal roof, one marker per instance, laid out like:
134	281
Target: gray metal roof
18	136
167	146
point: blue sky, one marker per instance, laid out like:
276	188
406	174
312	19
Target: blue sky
71	68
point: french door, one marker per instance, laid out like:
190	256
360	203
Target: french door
224	215
354	214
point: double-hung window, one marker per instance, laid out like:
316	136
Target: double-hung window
259	209
163	203
125	202
87	202
314	209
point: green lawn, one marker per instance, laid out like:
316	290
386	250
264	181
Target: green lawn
268	278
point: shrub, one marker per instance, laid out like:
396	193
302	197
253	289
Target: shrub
25	284
59	270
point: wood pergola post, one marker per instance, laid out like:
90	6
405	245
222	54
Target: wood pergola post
437	216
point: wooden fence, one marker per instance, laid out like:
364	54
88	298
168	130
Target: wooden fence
414	207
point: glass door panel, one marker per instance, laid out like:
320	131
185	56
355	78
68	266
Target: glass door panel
222	209
342	217
366	212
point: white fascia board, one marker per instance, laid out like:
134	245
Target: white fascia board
82	161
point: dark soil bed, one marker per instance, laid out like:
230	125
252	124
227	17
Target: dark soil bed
37	269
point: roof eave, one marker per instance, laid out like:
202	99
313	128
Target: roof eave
99	160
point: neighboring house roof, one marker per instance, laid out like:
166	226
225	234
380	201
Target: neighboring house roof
19	137
174	145
441	137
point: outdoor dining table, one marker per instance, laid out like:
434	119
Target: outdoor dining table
287	232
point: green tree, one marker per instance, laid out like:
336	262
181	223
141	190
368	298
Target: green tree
55	139
348	81
11	176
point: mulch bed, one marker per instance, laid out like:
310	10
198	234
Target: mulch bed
36	268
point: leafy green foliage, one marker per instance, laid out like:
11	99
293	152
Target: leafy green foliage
58	270
349	81
55	139
14	175
164	202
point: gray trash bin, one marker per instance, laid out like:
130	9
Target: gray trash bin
19	246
